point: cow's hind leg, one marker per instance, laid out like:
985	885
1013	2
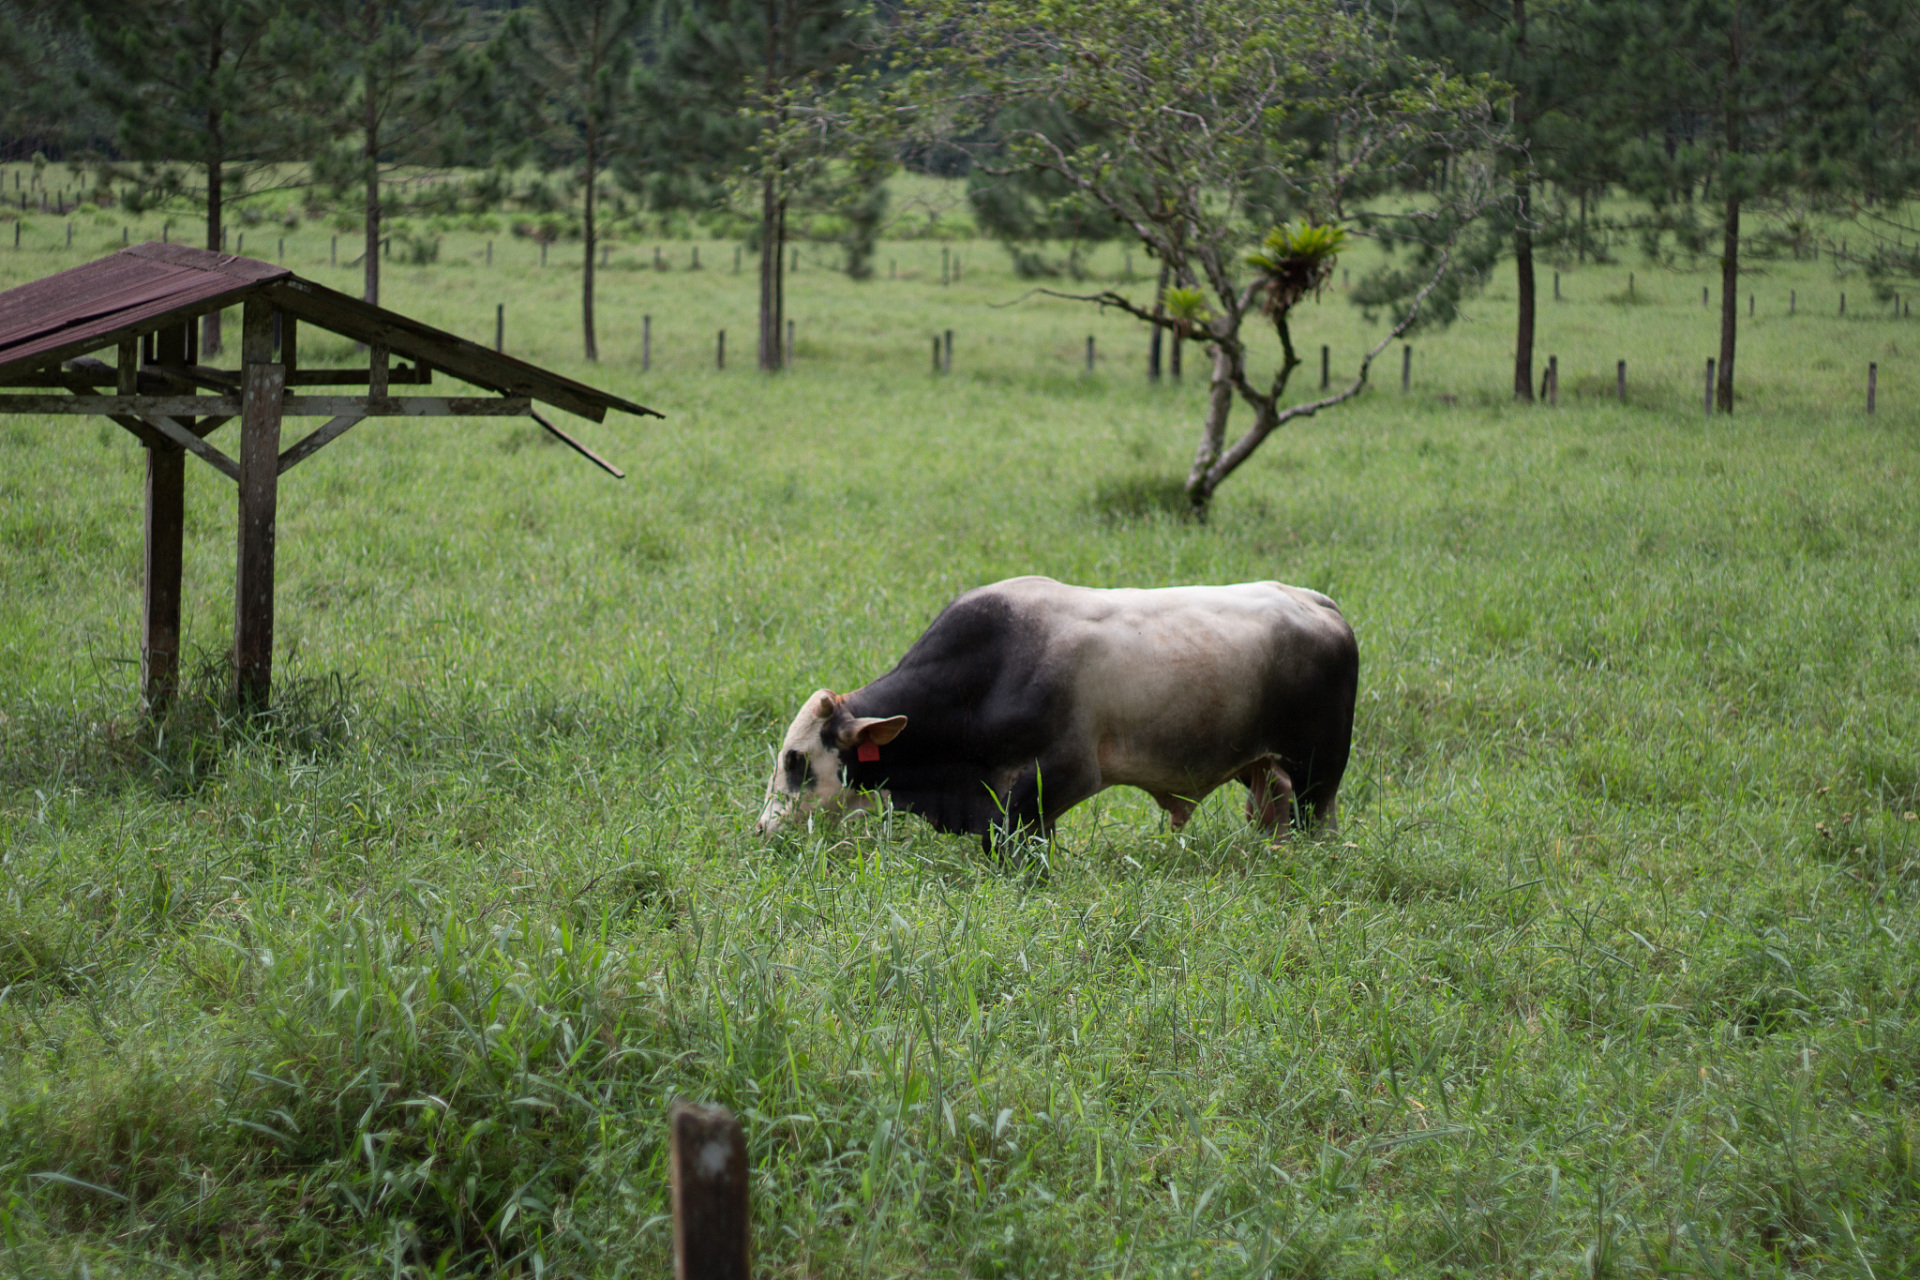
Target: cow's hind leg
1269	795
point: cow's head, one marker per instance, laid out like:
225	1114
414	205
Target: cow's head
809	776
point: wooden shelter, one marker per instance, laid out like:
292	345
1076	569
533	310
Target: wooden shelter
142	303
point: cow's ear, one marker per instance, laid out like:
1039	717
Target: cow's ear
876	729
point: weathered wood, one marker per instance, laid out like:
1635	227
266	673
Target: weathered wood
318	440
187	439
147	406
377	371
172	406
408	406
468	361
259	497
160	606
708	1172
579	448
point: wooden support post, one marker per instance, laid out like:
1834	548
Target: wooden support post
166	501
707	1162
377	371
262	385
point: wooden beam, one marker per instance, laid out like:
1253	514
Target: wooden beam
84	372
579	448
408	406
377	371
186	439
468	361
164	534
319	440
707	1168
139	405
146	406
259	477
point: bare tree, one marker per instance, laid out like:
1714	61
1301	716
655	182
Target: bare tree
1201	127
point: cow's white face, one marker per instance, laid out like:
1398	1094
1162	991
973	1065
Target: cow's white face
808	778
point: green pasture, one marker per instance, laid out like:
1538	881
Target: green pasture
1611	970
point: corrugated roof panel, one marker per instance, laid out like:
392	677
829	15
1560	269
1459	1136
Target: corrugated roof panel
89	306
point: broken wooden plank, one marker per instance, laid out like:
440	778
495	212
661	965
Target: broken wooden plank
579	448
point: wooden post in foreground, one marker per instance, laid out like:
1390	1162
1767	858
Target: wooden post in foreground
262	385
166	524
707	1159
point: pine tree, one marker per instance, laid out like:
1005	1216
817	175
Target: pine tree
1538	47
1736	102
196	83
734	92
573	62
382	94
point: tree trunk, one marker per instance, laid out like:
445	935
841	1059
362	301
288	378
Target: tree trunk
1213	437
1523	286
1159	309
1729	304
1522	237
770	249
216	200
586	277
371	128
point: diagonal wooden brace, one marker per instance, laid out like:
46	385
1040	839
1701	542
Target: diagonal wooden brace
317	441
194	444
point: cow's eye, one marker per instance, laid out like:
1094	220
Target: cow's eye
799	771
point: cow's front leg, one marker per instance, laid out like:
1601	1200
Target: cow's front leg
1269	795
1039	794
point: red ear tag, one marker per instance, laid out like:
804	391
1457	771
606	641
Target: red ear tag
869	752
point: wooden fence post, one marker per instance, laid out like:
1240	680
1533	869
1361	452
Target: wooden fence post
1620	381
1873	383
1326	367
166	524
707	1161
1089	353
262	385
1709	388
1406	368
646	343
1553	381
947	363
789	344
720	351
500	326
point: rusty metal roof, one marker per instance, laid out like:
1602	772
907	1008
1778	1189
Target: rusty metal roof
90	306
148	286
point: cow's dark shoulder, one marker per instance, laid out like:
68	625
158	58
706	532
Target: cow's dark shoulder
978	697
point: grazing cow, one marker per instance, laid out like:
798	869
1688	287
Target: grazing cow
1026	697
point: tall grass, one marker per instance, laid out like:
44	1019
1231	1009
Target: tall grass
1611	970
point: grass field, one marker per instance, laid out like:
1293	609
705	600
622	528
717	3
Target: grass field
1611	970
